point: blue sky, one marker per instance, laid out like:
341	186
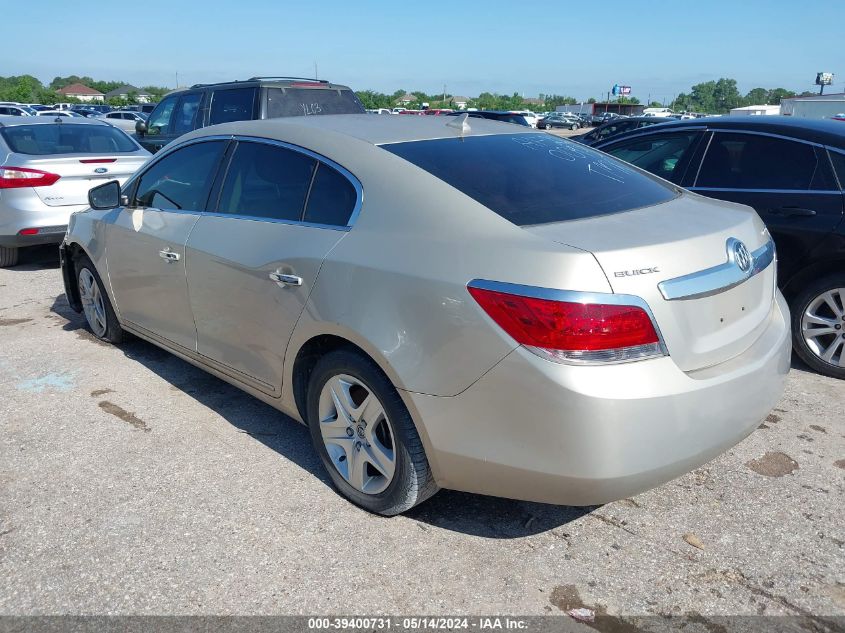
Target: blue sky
657	47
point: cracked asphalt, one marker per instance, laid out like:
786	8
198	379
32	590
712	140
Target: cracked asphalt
133	483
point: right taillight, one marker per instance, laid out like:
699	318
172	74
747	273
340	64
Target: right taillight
16	177
572	331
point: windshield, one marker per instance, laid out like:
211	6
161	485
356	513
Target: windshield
66	138
535	178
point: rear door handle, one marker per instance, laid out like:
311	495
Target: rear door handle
792	212
169	256
288	280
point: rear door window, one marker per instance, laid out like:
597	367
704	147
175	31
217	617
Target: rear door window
295	101
232	105
267	181
332	198
182	179
535	178
665	155
753	161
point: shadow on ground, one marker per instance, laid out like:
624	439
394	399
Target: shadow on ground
477	515
37	258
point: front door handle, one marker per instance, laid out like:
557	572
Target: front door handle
288	280
792	212
169	256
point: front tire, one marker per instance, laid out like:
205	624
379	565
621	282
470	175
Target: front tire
99	314
818	325
365	436
8	256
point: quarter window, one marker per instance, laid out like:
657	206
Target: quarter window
332	198
659	154
751	161
181	180
839	166
232	105
267	181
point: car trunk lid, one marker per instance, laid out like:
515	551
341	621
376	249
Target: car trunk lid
680	257
79	174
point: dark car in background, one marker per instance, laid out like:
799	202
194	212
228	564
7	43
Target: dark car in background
563	120
186	110
495	115
617	126
792	172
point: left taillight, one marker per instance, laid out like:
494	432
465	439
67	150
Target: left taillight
16	177
572	331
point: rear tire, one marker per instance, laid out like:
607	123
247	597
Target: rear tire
817	311
99	314
8	256
359	424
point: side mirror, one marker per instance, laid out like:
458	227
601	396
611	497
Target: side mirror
140	128
105	197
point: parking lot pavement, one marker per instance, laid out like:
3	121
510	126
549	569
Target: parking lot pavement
133	483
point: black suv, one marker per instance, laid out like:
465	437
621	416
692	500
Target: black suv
256	98
792	171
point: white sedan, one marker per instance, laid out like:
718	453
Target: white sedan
123	119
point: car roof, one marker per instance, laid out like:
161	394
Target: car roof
369	129
822	131
293	82
11	121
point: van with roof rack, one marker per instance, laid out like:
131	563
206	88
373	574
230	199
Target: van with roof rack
192	108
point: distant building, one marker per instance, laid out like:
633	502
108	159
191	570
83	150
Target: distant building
817	107
533	102
81	92
756	110
406	99
123	92
460	102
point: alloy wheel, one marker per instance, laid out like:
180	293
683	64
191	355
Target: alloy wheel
357	434
823	326
92	302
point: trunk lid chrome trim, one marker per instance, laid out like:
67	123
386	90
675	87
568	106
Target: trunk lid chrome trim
711	281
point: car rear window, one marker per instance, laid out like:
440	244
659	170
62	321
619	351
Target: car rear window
535	178
307	101
66	138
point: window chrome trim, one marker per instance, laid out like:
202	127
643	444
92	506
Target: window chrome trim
716	128
576	296
738	190
352	178
711	281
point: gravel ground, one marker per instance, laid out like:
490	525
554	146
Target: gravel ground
133	483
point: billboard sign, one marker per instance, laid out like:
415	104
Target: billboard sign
824	79
621	90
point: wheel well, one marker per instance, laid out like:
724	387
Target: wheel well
814	271
73	252
306	360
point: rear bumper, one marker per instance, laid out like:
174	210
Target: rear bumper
46	235
536	430
24	210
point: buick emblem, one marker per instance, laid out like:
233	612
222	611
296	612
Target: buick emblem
741	256
100	170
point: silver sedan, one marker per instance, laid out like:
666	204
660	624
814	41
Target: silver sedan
446	303
47	167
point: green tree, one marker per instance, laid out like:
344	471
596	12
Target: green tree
774	97
757	96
